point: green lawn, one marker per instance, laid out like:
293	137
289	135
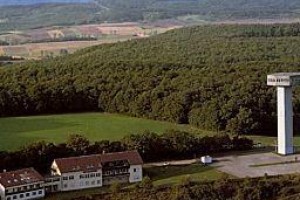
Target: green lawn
267	140
18	131
175	174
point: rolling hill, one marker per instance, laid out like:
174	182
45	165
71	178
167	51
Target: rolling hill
98	11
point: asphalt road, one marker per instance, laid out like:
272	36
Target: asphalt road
244	165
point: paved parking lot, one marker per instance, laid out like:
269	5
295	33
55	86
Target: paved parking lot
240	166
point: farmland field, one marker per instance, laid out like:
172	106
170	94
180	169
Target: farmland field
18	131
33	50
43	42
1	51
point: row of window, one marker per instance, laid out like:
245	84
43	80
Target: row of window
49	180
278	80
27	194
90	175
86	183
65	178
23	188
82	176
118	171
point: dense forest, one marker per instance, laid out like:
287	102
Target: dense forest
212	77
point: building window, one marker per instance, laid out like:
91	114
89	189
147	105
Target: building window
98	182
33	193
98	174
8	198
134	170
92	175
27	194
65	185
71	177
40	192
93	182
65	178
21	195
15	197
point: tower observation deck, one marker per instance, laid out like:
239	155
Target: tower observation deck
284	83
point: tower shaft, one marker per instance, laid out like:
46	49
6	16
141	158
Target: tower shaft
285	120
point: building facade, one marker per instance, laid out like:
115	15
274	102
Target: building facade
97	170
78	172
74	173
21	184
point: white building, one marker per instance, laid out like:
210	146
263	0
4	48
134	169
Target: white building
95	170
78	172
21	184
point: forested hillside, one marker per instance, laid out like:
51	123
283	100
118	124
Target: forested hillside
213	77
69	12
206	9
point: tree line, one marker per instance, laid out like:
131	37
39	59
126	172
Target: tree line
172	144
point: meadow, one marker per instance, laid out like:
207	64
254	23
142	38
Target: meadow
18	131
176	174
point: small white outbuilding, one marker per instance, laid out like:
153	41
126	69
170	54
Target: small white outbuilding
206	160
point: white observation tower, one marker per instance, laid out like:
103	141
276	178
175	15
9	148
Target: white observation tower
284	83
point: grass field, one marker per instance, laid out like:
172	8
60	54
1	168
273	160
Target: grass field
268	140
175	174
18	131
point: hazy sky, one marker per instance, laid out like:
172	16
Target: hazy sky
24	2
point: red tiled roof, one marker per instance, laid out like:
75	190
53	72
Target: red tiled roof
93	162
20	177
133	157
83	163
